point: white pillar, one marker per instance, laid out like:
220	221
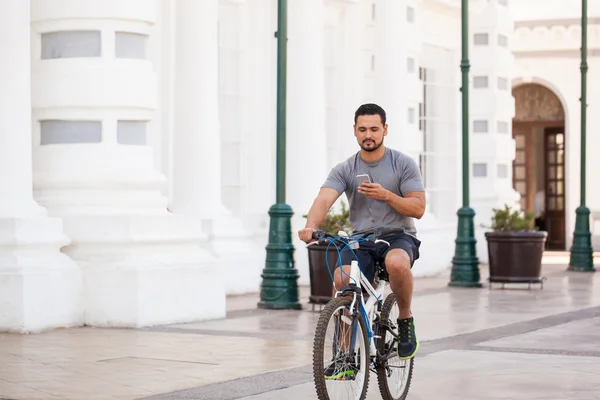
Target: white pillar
94	93
197	144
258	107
197	140
353	76
40	287
492	111
390	70
306	135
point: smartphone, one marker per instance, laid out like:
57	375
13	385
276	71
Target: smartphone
360	179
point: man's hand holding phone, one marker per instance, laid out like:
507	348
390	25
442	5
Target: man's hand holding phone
372	190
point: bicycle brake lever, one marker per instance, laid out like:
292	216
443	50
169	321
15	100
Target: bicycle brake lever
381	240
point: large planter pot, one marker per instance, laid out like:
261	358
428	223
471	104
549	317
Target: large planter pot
321	285
515	257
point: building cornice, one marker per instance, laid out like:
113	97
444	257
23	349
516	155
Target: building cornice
553	37
566	22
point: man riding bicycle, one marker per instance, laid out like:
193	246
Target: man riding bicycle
392	198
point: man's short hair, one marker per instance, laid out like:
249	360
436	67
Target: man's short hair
370	109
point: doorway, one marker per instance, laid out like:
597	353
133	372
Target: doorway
539	165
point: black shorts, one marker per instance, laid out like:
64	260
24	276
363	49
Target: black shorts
369	252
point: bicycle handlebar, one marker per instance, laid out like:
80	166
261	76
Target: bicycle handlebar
375	234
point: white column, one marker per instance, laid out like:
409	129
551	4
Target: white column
258	107
40	287
197	140
306	136
197	144
353	76
414	87
492	111
390	69
94	94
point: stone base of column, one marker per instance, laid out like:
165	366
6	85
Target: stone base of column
144	270
40	287
241	259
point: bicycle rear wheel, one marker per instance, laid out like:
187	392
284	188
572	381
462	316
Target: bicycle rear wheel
341	353
393	375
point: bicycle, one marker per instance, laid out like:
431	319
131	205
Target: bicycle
371	320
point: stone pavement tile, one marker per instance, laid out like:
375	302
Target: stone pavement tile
480	375
11	390
577	336
456	311
134	363
276	324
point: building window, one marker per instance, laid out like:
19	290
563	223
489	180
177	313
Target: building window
502	40
502	83
411	115
479	170
423	106
130	45
438	116
410	65
481	39
503	2
372	62
373	12
480	82
410	14
131	132
502	127
71	44
480	126
502	171
69	132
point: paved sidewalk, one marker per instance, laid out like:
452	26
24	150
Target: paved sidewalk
476	344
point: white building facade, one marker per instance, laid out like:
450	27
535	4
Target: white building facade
137	137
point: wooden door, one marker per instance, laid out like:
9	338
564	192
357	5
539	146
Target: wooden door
520	181
554	148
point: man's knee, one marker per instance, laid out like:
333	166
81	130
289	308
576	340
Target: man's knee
397	262
341	276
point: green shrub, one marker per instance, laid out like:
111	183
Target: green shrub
337	221
511	220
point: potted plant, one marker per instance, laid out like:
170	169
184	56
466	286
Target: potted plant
515	247
321	285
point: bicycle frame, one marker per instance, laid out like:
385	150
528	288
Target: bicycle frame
368	309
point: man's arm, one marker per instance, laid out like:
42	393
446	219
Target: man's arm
318	212
412	204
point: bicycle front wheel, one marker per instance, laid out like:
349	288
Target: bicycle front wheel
341	353
393	375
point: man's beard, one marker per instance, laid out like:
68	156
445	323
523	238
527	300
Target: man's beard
373	147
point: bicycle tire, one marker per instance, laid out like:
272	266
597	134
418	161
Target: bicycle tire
319	343
384	388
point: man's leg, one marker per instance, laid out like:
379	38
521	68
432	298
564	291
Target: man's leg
342	333
398	264
341	278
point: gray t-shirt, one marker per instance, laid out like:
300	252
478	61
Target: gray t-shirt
395	171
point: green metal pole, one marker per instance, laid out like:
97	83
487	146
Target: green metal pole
581	251
465	265
279	287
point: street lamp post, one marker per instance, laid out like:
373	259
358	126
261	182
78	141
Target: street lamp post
279	287
465	265
581	251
